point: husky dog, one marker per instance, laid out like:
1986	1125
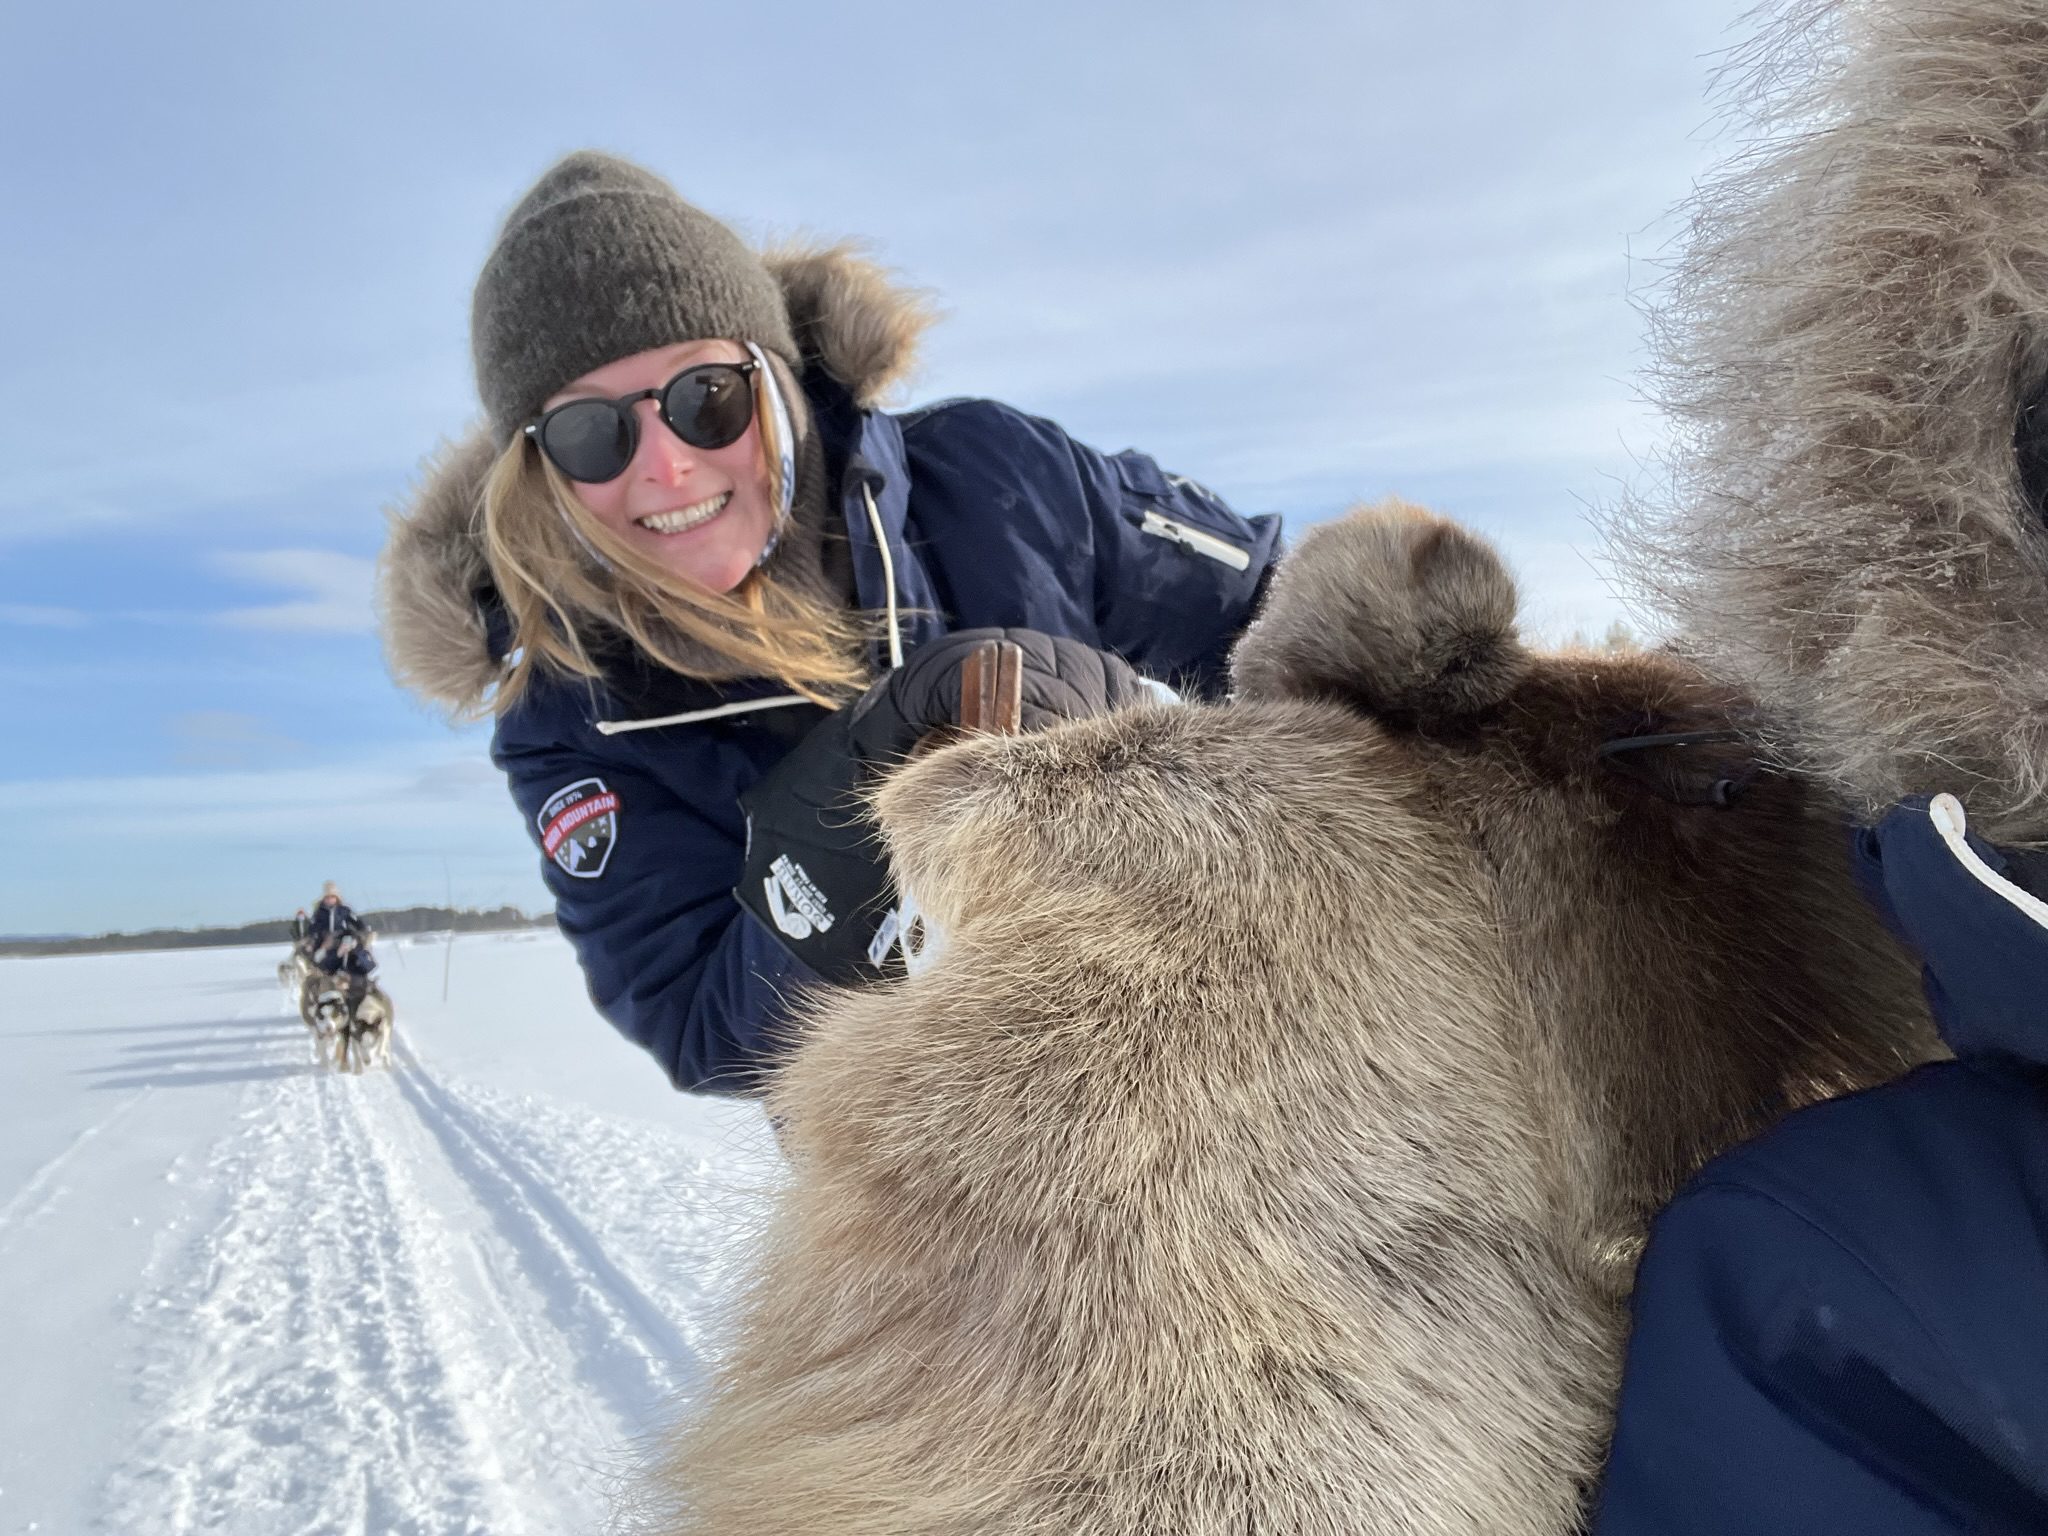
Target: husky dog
312	982
326	1001
354	1015
293	971
346	1008
363	1037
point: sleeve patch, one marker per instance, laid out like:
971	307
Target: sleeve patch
579	827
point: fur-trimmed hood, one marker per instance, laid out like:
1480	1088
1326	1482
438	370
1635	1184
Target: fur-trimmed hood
852	322
1853	350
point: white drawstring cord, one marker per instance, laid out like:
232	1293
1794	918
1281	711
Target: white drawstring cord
743	707
888	577
1946	812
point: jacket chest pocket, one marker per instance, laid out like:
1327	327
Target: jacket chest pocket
1182	512
1190	537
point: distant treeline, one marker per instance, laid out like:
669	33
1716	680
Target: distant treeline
395	921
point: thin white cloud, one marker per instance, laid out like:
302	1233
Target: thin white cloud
226	738
49	505
337	589
36	617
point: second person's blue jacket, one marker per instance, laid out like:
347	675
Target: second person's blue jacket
1841	1329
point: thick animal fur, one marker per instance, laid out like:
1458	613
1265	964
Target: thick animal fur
1267	1145
1855	348
1437	643
851	320
293	970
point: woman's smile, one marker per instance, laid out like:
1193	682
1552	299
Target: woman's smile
685	519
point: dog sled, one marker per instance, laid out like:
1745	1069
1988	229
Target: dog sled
351	1017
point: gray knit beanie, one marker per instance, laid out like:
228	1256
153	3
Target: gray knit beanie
601	260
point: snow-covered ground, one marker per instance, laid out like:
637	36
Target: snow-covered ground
244	1294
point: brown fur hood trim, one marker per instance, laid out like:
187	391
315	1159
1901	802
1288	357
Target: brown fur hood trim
1850	350
850	319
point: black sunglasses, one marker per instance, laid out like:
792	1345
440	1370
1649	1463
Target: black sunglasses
593	441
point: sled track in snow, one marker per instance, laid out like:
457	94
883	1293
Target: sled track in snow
397	1314
36	1197
390	1261
597	1304
451	1298
318	1380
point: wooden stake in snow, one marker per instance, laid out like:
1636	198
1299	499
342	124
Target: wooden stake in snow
448	950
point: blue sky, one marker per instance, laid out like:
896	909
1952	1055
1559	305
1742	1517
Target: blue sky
1306	253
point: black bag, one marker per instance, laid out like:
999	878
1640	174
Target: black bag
815	873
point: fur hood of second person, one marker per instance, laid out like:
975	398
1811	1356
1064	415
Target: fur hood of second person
1854	352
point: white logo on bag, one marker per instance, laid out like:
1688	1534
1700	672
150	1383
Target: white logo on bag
885	938
794	900
917	936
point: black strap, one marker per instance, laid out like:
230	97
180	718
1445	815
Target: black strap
1722	792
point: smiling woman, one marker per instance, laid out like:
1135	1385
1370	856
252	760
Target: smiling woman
710	589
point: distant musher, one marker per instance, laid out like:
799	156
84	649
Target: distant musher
293	970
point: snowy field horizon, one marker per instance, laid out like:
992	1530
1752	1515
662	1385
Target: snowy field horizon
255	931
251	1295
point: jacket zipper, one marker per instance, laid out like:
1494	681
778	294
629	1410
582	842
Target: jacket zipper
1201	543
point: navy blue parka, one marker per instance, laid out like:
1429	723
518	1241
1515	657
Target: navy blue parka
1841	1328
329	924
991	517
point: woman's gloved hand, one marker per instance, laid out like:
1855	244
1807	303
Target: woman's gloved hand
815	872
1063	680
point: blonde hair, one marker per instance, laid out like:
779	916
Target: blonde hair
562	575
